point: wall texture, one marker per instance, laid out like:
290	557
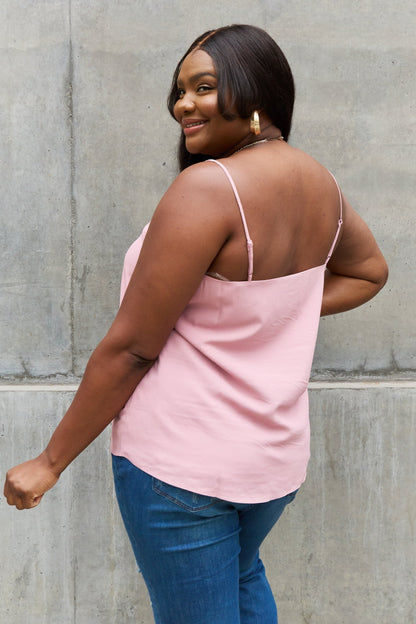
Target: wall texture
87	150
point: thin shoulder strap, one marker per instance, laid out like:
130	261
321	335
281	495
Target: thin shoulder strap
340	221
243	219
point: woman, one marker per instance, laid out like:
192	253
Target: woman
208	360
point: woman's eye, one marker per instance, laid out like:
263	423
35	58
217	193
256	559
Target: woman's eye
199	89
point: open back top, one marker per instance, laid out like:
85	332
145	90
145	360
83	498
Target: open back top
246	232
224	410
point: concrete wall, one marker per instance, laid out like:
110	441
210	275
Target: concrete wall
87	149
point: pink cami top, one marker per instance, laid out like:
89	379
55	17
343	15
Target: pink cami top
224	410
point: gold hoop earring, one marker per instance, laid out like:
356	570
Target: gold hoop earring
255	123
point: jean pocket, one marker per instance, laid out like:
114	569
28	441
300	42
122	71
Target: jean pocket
183	498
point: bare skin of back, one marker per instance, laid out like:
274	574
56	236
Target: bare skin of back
292	209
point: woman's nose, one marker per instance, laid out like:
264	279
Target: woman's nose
186	103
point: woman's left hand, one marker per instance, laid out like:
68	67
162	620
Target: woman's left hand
27	483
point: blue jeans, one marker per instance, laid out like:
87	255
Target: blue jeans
199	556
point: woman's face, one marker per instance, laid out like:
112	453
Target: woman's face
205	129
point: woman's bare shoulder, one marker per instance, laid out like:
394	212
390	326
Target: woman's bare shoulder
198	190
201	174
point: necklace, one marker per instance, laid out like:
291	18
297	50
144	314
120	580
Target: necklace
279	138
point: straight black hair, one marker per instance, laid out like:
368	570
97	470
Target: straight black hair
252	74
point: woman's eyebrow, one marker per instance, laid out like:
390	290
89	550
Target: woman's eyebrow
198	76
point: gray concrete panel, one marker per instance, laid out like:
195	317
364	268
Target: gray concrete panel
349	82
343	552
117	159
346	551
35	304
123	153
68	561
376	172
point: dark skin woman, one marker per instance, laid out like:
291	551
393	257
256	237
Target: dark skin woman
292	207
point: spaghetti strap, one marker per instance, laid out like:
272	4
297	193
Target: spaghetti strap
243	219
340	221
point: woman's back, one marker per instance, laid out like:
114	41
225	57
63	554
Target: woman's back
292	208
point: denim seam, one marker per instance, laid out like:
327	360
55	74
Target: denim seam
174	500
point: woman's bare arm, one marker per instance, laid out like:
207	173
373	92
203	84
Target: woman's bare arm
357	269
187	231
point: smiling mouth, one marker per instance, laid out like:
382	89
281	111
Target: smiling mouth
193	124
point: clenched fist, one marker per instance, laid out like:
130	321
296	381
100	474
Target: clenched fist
27	483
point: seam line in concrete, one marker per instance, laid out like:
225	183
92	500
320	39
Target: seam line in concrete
73	211
39	388
314	385
330	385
